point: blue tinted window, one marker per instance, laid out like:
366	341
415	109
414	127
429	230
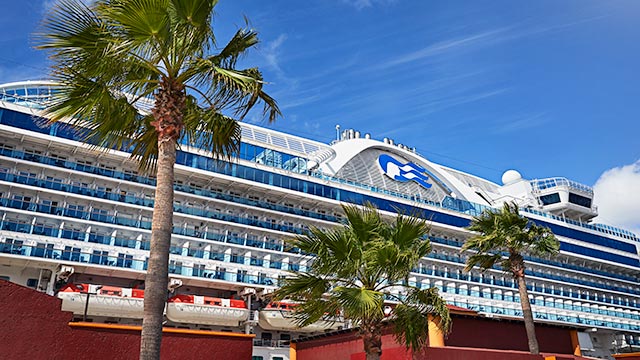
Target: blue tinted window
598	254
579	200
550	199
23	121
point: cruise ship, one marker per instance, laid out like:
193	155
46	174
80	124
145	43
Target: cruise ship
76	224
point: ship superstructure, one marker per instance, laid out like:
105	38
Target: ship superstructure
77	222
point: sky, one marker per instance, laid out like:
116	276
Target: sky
546	87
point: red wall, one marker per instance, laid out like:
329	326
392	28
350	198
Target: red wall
629	356
32	326
345	345
506	335
449	353
471	338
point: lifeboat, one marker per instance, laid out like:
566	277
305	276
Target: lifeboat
107	301
193	309
278	316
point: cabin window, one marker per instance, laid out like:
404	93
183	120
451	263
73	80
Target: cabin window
550	199
579	200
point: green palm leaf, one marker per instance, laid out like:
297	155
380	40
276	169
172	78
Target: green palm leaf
110	57
504	237
353	269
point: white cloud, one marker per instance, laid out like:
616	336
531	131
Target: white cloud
617	194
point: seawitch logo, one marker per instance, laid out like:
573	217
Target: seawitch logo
403	172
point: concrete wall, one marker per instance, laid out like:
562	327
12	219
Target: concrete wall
32	326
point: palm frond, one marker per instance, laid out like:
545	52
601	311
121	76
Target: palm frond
317	309
363	223
543	241
243	40
360	303
149	40
411	326
303	286
411	317
207	128
505	231
335	251
483	261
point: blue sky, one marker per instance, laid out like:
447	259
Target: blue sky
547	87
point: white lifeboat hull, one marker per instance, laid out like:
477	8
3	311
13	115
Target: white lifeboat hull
282	320
101	305
206	314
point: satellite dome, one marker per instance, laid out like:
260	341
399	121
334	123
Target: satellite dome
510	176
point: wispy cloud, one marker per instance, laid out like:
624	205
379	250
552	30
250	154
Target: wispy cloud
521	122
432	106
482	38
476	40
271	54
362	4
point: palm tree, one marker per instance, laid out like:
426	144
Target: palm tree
503	237
112	56
356	267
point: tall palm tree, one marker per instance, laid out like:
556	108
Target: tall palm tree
503	237
110	57
356	267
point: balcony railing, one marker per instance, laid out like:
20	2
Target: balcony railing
271	343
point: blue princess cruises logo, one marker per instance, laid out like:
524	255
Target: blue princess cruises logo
403	172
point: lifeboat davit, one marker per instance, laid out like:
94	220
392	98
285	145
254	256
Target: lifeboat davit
193	309
278	316
107	301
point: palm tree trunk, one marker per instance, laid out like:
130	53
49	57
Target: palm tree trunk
168	114
155	293
528	315
372	339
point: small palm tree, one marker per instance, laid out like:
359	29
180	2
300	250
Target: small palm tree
359	265
110	57
503	237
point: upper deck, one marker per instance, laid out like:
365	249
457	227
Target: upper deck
451	193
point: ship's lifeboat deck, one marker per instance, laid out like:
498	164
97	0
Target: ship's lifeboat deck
279	316
193	309
107	301
118	302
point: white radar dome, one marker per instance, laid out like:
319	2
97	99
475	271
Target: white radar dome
510	176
